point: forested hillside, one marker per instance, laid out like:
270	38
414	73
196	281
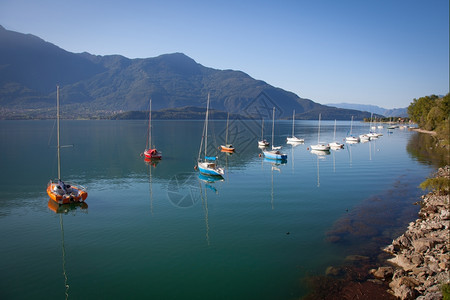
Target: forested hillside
100	86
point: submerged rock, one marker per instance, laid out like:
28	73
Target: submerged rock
421	254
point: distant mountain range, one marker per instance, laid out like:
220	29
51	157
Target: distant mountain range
100	86
396	112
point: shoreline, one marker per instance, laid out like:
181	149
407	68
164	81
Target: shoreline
420	263
424	131
413	266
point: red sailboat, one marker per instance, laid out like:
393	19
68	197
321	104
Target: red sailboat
151	153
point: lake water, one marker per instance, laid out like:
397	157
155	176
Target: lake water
159	231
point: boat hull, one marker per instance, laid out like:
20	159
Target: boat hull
320	147
336	145
74	195
263	143
152	154
276	155
227	148
352	139
209	169
295	140
364	138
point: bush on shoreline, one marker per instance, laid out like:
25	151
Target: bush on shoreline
432	113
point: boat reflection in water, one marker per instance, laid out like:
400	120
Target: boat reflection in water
209	179
208	182
152	161
275	163
61	209
65	208
320	156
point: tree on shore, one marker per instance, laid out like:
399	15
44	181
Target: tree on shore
432	113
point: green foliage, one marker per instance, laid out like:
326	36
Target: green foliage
439	184
418	110
445	291
432	113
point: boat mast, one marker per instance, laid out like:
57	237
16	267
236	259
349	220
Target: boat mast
262	129
226	134
293	119
334	136
57	129
150	126
273	124
351	126
318	133
206	125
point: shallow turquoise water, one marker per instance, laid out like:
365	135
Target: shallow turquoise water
161	232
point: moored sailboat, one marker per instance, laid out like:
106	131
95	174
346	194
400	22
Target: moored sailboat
275	153
293	138
151	153
335	144
227	147
263	142
208	165
59	191
320	146
351	138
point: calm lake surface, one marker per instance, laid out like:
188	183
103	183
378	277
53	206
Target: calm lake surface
160	231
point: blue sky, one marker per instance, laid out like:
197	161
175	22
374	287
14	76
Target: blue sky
384	52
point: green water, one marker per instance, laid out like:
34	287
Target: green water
161	232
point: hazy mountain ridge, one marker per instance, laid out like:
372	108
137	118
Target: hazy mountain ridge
30	69
395	112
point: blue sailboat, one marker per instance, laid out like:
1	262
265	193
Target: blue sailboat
275	153
208	165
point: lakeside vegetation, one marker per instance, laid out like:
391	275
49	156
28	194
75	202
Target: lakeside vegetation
432	113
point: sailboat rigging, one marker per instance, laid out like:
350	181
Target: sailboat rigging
335	144
351	138
275	153
262	142
227	147
151	153
294	139
208	165
320	146
59	191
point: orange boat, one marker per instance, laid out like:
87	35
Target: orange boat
63	193
57	190
227	147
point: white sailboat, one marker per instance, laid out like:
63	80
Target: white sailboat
275	153
293	138
372	134
320	146
263	142
336	145
351	138
208	165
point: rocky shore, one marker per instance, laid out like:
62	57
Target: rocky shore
420	264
